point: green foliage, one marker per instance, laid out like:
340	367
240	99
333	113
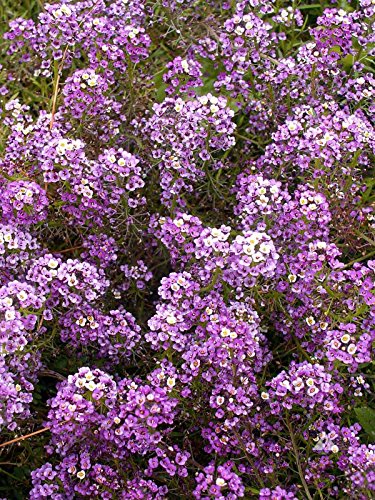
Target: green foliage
366	417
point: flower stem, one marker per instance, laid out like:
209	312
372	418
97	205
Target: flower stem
296	455
21	438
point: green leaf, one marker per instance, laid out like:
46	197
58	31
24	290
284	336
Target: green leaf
252	490
366	417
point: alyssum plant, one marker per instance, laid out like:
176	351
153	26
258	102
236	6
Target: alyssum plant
187	301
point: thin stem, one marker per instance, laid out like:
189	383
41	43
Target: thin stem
269	58
21	438
52	374
12	476
298	462
56	89
211	285
360	259
250	460
71	249
318	490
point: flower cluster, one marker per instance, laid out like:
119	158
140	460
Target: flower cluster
184	135
212	482
121	421
23	203
114	335
304	385
187	273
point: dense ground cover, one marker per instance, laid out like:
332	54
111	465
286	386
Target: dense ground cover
187	259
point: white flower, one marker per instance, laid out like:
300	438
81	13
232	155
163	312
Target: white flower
286	384
181	281
171	382
81	321
298	384
203	99
254	238
258	257
185	65
239	30
179	105
22	295
10	314
292	126
248	249
352	348
72	280
263	199
66	10
91	385
81	474
345	338
220	482
264	248
53	263
8	301
87	192
171	320
220	400
312	390
225	332
57	13
335	344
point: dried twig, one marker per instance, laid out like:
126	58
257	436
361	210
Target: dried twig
56	88
71	249
21	438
